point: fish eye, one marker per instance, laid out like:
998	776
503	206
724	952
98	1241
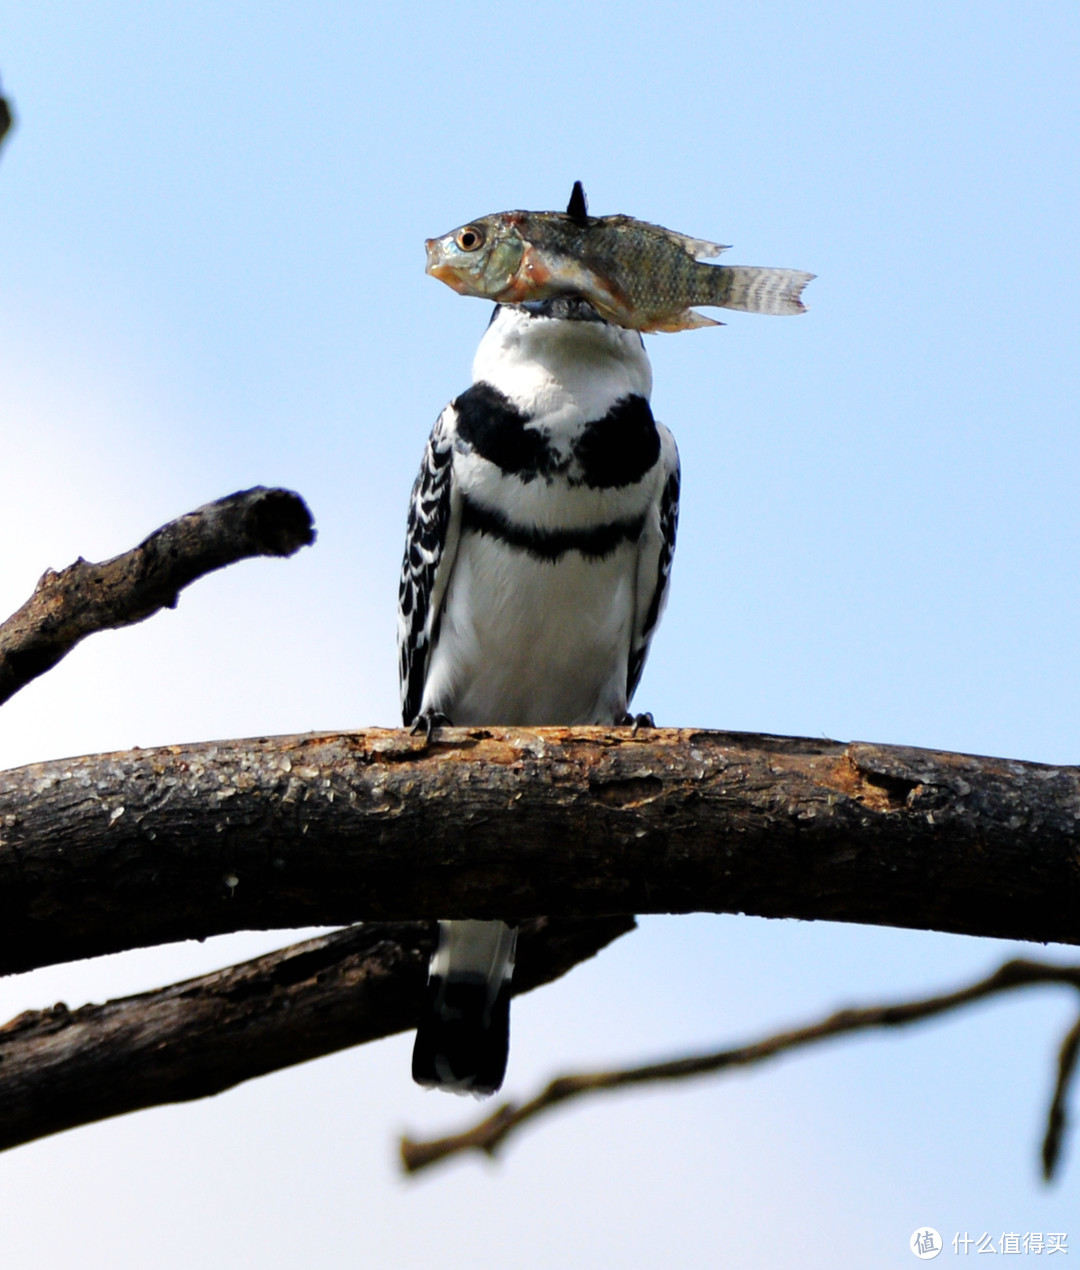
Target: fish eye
471	238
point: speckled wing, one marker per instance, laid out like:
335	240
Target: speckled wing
654	565
430	546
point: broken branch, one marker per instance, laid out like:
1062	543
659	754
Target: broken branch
85	598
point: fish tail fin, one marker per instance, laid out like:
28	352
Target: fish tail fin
753	290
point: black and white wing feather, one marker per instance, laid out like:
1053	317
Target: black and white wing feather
654	567
430	546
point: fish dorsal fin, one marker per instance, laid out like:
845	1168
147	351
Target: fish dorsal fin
699	248
577	209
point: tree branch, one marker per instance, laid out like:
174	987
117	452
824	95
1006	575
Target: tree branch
1056	1120
60	1068
121	850
6	119
85	598
489	1134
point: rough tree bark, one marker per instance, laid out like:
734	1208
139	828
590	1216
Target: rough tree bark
60	1068
103	853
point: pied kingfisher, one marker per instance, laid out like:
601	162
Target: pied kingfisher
540	538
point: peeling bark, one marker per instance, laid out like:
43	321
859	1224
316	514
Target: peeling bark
115	851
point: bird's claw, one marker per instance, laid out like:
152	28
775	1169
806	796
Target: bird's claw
428	722
636	722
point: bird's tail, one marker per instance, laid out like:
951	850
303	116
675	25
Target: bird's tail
464	1037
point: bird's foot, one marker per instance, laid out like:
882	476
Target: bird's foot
635	722
427	722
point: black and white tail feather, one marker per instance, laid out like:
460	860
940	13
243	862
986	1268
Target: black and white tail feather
540	540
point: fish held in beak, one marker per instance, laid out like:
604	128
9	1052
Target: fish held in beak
635	274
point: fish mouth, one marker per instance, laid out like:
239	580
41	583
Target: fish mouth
437	266
449	275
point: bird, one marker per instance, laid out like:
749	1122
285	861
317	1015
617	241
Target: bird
540	537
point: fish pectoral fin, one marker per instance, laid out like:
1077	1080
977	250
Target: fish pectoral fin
687	320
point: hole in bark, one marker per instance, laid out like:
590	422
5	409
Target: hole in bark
628	792
879	791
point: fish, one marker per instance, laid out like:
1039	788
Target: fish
634	274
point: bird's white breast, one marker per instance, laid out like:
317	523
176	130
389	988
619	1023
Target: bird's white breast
529	641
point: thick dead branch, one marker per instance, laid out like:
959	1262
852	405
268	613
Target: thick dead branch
115	851
60	1068
489	1134
85	598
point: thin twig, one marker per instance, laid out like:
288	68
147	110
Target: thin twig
1057	1118
85	598
489	1134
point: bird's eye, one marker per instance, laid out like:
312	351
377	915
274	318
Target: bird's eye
470	238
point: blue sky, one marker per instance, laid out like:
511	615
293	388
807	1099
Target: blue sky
211	276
